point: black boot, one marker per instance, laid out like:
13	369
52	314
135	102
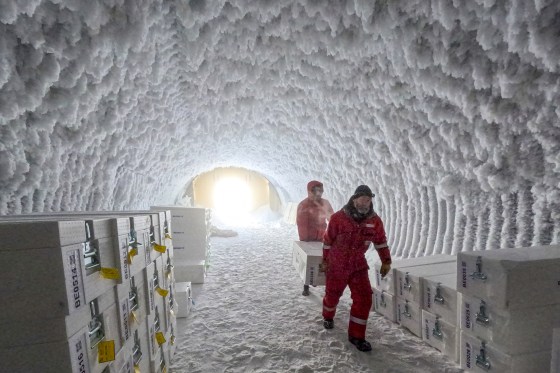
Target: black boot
328	323
361	344
305	290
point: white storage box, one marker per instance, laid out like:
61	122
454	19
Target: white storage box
132	303
38	234
184	298
481	357
511	278
153	324
511	331
161	301
186	249
53	279
124	362
386	283
72	355
555	361
171	340
27	331
409	315
168	268
440	297
385	304
149	289
190	271
140	350
306	258
409	279
160	364
190	231
441	335
171	306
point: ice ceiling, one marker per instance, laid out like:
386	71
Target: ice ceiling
448	109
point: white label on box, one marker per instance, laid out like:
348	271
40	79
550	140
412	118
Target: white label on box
78	353
124	319
74	280
125	268
147	247
151	291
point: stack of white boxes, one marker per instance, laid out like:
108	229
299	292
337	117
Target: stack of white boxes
440	308
409	281
191	240
385	289
86	292
510	306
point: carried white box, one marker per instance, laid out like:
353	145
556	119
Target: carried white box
183	297
190	271
306	258
555	360
441	335
511	278
385	304
481	357
409	315
514	331
440	297
409	279
387	283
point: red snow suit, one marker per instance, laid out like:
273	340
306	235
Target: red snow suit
312	215
345	243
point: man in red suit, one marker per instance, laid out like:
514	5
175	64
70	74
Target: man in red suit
312	216
350	233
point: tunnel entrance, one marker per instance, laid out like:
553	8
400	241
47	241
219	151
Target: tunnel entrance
235	195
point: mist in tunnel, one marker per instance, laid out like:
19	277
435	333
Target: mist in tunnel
448	111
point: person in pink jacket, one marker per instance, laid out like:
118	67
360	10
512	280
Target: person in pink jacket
312	216
349	234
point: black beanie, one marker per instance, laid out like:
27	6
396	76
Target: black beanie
363	190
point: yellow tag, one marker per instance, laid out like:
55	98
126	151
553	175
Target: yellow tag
134	316
136	369
131	254
164	370
110	273
167	235
160	338
160	248
162	292
106	351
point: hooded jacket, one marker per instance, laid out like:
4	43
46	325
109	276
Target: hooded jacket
348	237
312	215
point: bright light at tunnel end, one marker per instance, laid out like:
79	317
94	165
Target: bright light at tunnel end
233	201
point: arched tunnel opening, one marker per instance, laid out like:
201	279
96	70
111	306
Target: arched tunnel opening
237	196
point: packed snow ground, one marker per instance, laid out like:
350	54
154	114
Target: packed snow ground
250	316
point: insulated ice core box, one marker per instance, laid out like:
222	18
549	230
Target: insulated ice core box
306	257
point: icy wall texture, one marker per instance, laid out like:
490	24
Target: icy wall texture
448	109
